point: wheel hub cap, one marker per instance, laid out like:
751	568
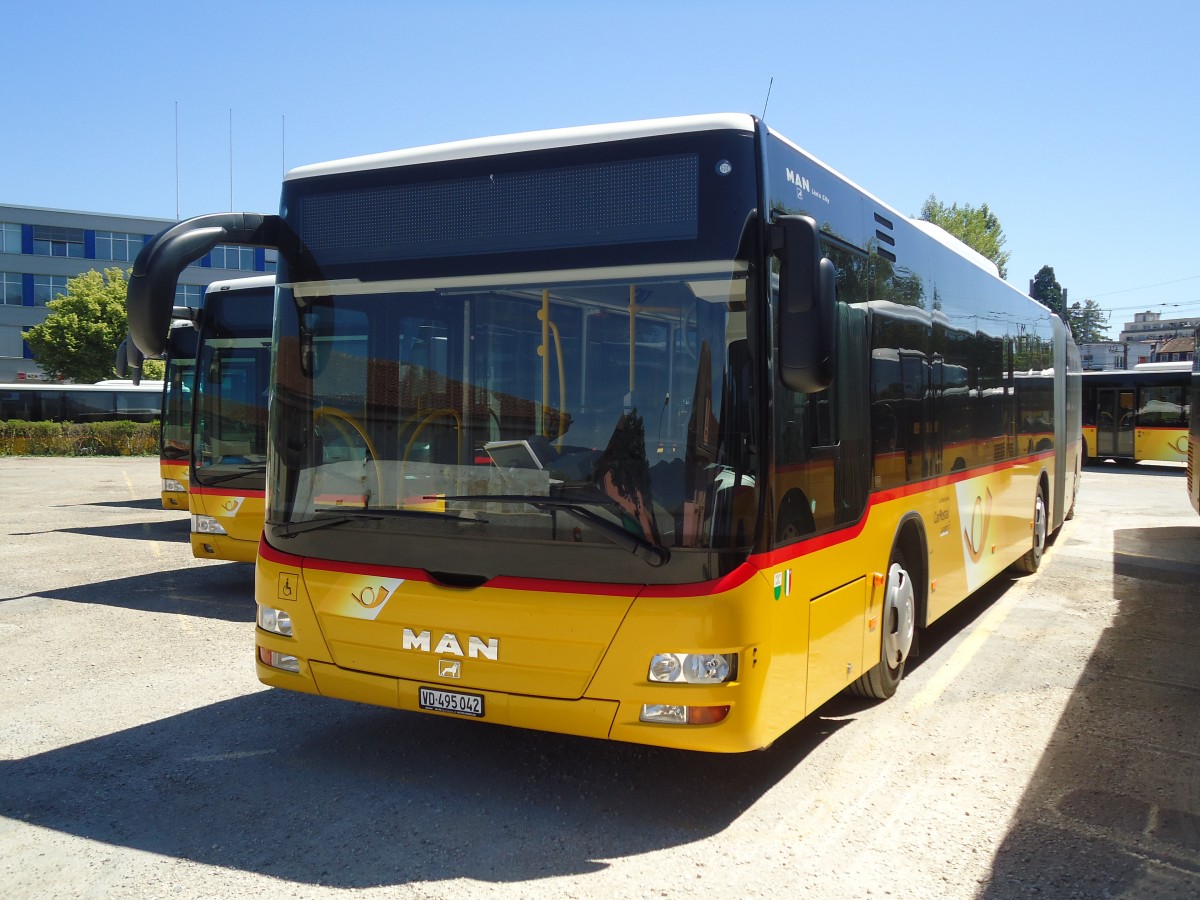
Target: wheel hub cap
900	615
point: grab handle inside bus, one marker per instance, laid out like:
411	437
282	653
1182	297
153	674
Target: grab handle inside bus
806	312
151	294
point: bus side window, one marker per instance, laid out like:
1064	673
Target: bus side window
806	461
796	478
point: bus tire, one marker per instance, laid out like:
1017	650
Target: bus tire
1028	564
1070	514
898	620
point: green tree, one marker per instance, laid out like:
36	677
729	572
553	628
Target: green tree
1047	291
78	339
1089	323
154	369
977	227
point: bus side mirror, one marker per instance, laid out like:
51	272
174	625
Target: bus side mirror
129	361
121	365
806	309
151	289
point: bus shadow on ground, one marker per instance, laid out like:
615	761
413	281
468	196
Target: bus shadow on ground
316	791
1114	806
170	531
142	503
223	592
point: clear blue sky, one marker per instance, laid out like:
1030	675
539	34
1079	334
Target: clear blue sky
1076	122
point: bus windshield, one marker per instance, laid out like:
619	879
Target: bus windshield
548	413
233	363
176	434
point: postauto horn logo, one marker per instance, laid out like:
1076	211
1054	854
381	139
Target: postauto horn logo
372	599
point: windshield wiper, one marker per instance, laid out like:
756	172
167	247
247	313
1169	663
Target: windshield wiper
645	550
382	512
373	514
241	471
290	530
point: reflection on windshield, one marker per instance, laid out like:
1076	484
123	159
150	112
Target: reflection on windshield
231	424
618	402
177	418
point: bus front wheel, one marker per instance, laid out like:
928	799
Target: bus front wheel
899	620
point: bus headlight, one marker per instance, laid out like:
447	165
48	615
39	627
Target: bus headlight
275	621
693	668
206	525
670	714
171	486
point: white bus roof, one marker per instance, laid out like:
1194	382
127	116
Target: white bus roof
107	385
531	140
939	234
252	281
946	239
1178	365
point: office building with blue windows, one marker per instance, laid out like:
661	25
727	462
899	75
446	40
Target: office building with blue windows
41	248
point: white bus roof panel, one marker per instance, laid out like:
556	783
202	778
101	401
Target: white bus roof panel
531	140
946	239
235	284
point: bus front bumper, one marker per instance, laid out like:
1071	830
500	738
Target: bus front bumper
586	717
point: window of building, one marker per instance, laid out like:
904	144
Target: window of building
188	294
271	261
227	256
47	287
10	289
50	240
10	238
118	245
11	346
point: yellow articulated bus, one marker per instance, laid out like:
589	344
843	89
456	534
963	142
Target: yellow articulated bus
1193	454
228	452
1139	414
661	432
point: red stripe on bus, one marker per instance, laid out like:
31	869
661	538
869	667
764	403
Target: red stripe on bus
833	538
224	492
740	575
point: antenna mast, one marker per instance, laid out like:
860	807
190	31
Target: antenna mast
231	160
768	100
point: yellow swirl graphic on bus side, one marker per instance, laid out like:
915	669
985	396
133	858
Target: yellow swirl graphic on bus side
981	515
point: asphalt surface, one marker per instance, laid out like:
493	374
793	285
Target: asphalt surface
1046	743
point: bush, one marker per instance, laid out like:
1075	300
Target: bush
19	438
